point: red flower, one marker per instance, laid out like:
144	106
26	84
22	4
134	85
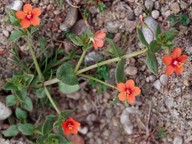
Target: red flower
98	40
29	16
128	91
174	62
70	126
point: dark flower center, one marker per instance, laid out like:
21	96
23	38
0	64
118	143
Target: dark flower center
128	91
177	63
70	125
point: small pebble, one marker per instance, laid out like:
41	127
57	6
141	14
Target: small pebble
5	112
149	4
131	70
178	140
155	14
175	8
164	79
157	85
6	33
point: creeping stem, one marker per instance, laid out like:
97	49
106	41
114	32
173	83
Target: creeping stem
41	75
80	61
55	80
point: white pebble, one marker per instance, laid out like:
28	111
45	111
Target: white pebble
155	14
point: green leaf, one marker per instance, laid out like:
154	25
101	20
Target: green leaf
40	93
14	21
21	114
157	32
67	113
87	46
56	139
34	29
101	6
173	20
15	36
27	104
154	46
65	73
11	100
170	34
11	131
48	124
22	93
26	129
115	100
142	38
116	51
119	71
75	39
151	62
184	19
10	86
66	89
22	80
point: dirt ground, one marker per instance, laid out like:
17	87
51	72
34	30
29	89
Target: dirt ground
162	113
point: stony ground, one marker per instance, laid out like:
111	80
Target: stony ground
162	113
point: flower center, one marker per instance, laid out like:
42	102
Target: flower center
128	92
70	126
177	63
29	16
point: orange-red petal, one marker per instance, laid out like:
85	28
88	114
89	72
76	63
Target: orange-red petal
131	99
176	52
169	70
122	96
135	91
130	84
20	15
27	8
36	12
35	21
25	23
182	58
98	42
179	70
167	60
121	87
100	35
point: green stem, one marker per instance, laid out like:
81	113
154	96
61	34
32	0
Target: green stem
51	100
80	61
41	75
97	80
34	58
111	61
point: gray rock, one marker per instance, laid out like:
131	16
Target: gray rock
126	121
175	8
164	79
16	5
157	5
149	34
155	14
80	27
138	10
150	78
178	140
157	85
3	40
130	25
131	70
6	33
83	130
169	102
92	58
183	5
75	96
5	112
114	26
111	78
149	4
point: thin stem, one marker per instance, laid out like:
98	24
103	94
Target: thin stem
55	80
51	100
34	58
95	79
111	61
41	75
50	82
80	61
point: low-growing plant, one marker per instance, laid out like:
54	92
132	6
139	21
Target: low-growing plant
48	69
